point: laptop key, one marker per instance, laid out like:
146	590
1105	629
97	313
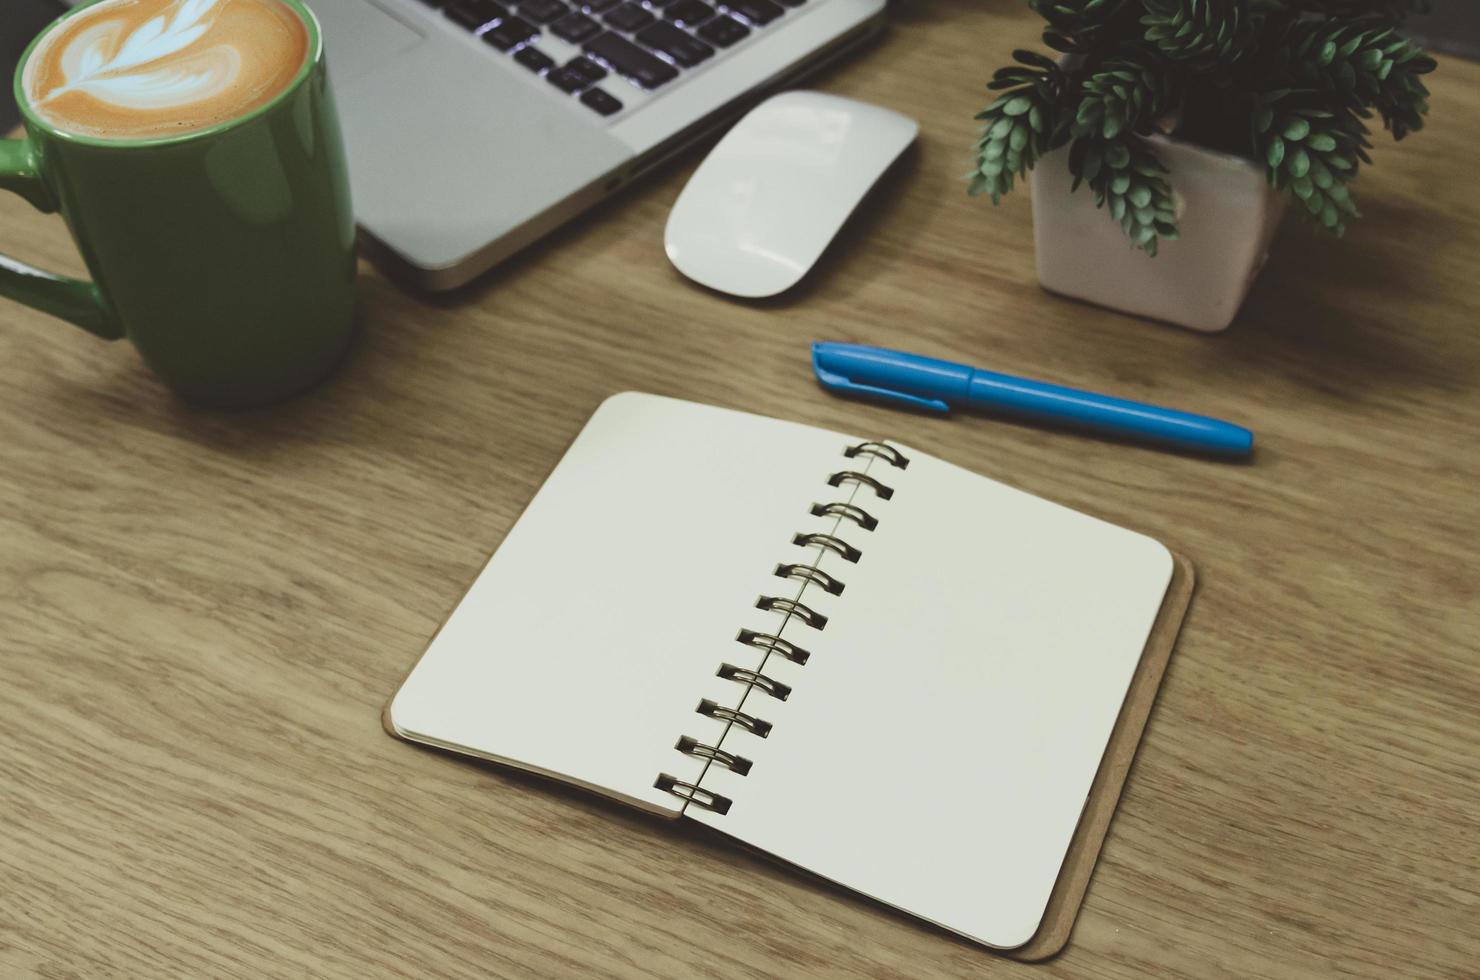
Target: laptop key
629	17
543	11
587	69
473	14
533	58
688	13
682	48
575	28
567	79
509	32
756	11
630	61
602	102
723	31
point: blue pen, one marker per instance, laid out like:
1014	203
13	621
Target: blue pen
936	386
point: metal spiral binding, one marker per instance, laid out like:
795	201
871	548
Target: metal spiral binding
735	763
852	476
809	575
845	550
757	680
781	604
696	795
852	512
756	726
882	450
816	576
772	643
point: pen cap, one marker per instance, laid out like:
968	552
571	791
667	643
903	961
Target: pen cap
922	382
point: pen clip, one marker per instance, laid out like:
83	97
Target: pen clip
838	383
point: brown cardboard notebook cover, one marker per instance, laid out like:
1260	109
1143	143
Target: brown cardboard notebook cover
1084	849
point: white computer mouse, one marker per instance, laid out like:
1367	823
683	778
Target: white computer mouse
766	201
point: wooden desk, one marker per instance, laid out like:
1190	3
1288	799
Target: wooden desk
202	615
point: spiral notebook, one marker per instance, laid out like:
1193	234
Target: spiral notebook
879	667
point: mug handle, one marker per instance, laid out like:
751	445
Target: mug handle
74	300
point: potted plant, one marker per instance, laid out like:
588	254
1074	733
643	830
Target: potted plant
1194	121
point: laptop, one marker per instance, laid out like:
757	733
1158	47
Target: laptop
474	127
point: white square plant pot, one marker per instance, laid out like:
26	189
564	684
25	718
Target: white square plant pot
1227	215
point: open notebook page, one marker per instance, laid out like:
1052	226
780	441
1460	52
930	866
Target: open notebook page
584	646
937	750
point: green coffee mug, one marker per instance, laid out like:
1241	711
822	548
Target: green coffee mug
226	255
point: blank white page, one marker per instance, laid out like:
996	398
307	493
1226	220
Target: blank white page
586	643
938	748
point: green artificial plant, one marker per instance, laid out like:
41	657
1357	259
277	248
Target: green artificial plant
1288	83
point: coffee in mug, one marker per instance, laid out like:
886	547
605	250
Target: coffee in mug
194	150
143	69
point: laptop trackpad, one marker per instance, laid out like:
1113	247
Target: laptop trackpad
361	36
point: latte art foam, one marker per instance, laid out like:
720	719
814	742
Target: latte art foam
141	69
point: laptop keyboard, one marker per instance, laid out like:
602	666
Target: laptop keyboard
648	43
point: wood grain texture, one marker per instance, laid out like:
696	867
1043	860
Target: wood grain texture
201	615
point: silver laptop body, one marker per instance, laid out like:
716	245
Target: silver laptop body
461	153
